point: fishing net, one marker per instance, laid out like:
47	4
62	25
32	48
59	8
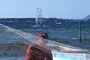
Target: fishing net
15	42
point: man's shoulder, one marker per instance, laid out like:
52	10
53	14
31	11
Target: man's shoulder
34	45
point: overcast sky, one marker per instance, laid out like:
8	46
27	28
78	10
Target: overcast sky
67	9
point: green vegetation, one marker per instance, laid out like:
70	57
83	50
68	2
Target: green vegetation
17	46
13	49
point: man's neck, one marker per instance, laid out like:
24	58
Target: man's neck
41	45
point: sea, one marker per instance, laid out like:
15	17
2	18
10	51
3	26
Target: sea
65	32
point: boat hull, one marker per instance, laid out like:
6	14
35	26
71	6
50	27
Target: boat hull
68	56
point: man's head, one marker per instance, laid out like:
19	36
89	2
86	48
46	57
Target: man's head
43	35
43	38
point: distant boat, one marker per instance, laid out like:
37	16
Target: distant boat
39	19
10	21
59	23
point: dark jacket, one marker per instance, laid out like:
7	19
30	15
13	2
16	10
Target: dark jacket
34	52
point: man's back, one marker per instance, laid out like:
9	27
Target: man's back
35	52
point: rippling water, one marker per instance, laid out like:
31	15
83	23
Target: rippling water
66	31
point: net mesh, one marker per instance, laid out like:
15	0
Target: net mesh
14	43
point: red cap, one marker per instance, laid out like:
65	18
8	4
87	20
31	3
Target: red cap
43	35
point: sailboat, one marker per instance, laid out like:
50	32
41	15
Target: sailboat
39	19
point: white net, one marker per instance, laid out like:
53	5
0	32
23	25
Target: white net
14	44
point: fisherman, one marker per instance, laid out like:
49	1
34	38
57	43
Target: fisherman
39	51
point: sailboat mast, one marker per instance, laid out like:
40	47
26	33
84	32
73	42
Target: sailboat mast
38	16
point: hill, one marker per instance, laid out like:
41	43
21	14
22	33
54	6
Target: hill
87	17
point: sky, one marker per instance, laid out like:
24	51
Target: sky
66	9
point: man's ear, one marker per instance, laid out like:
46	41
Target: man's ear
43	36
